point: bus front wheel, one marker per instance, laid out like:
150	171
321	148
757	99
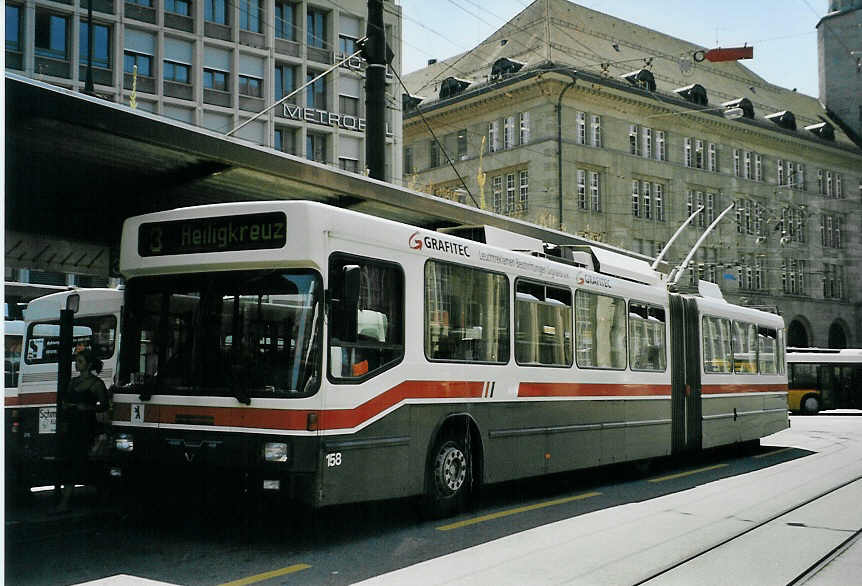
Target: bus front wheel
810	405
449	474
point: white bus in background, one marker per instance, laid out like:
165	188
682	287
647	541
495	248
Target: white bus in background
31	414
337	357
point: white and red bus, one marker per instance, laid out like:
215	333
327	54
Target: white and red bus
31	410
339	357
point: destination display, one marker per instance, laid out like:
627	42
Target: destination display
221	234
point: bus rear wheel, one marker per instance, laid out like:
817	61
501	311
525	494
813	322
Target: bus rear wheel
449	474
810	405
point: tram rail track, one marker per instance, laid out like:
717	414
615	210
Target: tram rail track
810	570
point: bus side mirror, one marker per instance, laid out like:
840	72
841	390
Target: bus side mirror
345	305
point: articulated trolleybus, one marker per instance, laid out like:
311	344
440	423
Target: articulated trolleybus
339	357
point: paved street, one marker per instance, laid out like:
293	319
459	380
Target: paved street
619	525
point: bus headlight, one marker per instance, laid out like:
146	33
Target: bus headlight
275	452
124	443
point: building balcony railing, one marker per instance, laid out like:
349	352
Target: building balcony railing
182	91
217	98
101	75
251	104
106	6
179	22
252	39
217	31
138	12
143	84
14	59
51	66
319	55
286	47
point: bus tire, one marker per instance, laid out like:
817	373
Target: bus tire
450	473
810	405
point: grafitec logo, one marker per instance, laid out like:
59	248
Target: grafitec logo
414	242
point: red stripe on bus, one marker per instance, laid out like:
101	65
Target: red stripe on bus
297	419
25	399
742	388
590	390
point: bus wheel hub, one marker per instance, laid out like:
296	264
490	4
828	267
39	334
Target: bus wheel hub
451	469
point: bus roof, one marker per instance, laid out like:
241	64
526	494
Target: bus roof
96	301
825	355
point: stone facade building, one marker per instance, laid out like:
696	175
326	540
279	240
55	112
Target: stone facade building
583	122
839	51
216	63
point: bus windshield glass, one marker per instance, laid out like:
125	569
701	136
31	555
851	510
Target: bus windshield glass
240	333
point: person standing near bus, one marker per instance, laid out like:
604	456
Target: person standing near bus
84	399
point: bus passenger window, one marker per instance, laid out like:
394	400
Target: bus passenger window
767	351
744	348
543	324
375	340
647	337
466	314
600	331
717	356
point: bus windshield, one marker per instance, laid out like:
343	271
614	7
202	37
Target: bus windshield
240	333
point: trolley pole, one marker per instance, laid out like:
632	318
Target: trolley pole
375	91
64	374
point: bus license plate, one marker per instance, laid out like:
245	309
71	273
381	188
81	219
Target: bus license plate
47	420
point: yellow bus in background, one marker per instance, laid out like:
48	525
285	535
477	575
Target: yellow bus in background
820	378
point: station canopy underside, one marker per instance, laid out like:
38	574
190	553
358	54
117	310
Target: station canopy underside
77	166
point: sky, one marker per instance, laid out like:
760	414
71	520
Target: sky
782	32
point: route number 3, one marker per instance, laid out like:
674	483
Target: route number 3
333	459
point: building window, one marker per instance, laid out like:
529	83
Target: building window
284	84
701	219
462	144
181	7
524	128
582	189
713	158
216	80
736	165
698	154
177	72
315	147
581	135
434	154
839	190
758	167
285	140
660	147
13	28
316	22
143	62
52	32
285	24
780	172
687	152
596	137
595	191
348	34
351	165
659	201
216	11
315	93
408	160
647	143
634	140
348	105
748	164
523	190
800	177
829	190
508	132
510	193
647	200
250	15
250	86
636	199
493	136
497	188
